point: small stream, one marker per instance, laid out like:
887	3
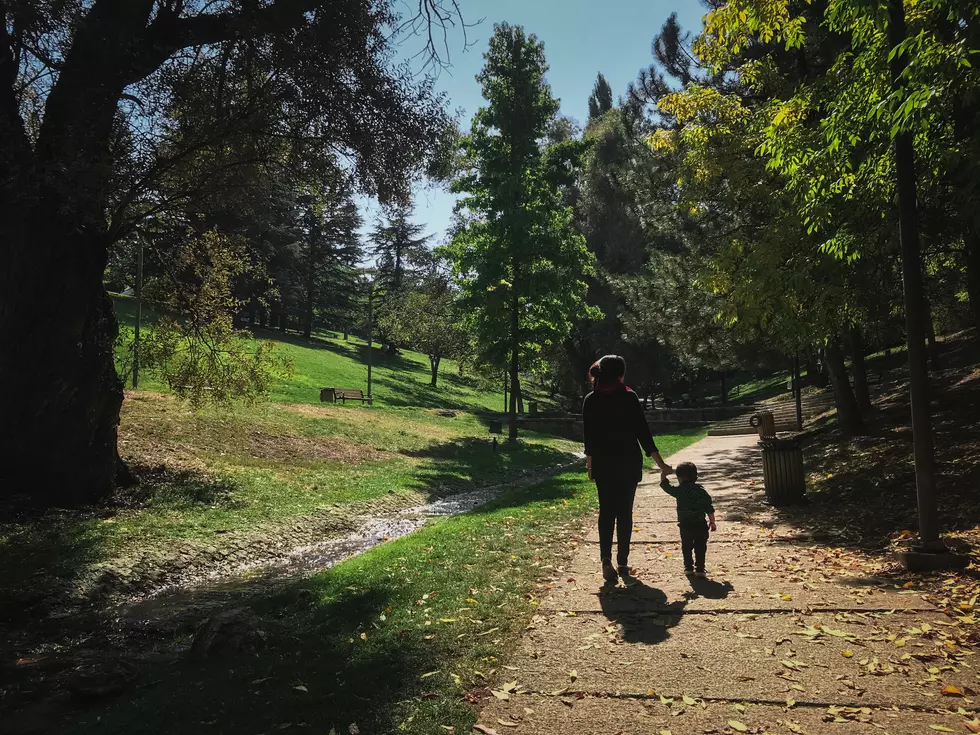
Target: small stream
191	602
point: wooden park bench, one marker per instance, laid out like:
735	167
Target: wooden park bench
342	394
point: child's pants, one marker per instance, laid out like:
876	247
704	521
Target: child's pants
616	496
694	544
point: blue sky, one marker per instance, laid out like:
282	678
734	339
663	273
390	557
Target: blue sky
581	38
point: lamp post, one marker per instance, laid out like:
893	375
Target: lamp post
370	350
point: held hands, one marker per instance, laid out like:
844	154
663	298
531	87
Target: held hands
665	469
713	526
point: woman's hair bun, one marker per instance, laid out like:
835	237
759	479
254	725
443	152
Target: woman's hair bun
595	370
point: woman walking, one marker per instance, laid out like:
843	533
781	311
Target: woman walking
615	429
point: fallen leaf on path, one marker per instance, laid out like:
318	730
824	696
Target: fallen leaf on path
738	726
847	654
485	730
499	694
301	688
973	725
950	691
508	723
689	701
431	673
941	728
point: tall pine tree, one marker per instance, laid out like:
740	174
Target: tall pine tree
523	266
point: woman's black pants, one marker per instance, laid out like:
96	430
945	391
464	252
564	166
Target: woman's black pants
616	494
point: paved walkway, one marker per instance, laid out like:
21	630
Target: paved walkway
786	636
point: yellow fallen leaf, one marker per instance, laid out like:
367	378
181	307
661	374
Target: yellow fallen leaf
689	701
363	636
301	688
426	676
573	675
950	691
790	703
786	598
940	728
664	732
499	694
739	707
738	726
973	725
899	642
847	654
507	723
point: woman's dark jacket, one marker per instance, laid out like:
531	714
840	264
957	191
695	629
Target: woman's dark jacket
615	428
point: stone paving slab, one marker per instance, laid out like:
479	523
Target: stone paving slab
736	656
762	590
554	715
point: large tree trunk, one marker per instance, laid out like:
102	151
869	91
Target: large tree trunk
61	396
847	406
861	392
61	393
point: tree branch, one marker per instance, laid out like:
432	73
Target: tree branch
17	146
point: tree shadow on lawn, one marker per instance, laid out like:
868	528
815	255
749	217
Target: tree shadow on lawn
50	558
307	675
405	392
471	463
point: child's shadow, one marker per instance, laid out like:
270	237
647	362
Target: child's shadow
640	611
708	588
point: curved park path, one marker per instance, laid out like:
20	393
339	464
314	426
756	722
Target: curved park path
788	635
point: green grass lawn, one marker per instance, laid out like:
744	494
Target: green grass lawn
399	639
207	472
329	361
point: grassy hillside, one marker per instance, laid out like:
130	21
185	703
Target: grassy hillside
330	361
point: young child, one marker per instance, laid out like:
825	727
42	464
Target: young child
693	504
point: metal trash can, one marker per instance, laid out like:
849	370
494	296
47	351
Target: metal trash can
765	422
328	395
782	471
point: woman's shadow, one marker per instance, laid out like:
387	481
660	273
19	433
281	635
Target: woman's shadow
644	614
641	613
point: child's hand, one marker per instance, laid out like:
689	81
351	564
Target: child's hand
663	475
713	526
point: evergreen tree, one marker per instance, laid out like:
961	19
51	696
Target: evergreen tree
601	99
522	263
398	248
